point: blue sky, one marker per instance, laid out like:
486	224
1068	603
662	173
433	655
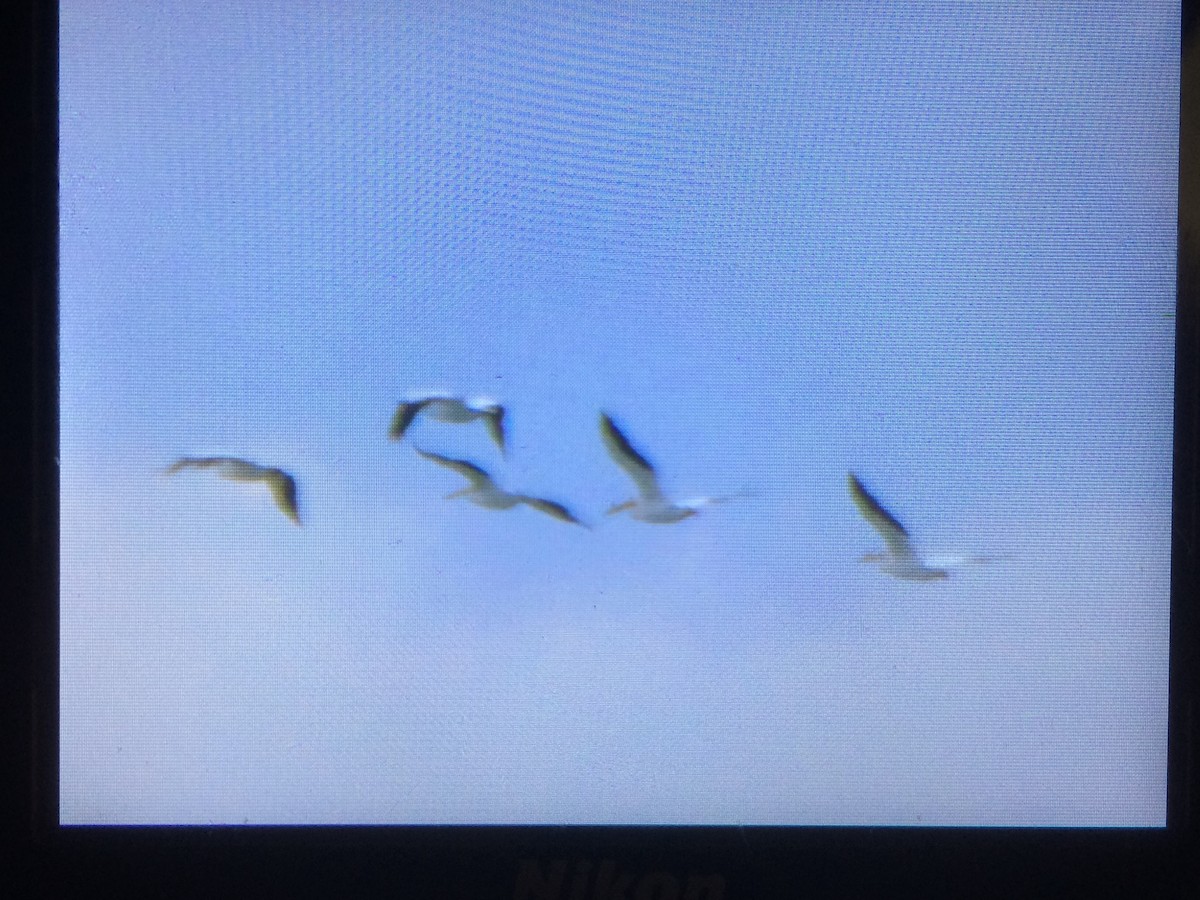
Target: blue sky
931	245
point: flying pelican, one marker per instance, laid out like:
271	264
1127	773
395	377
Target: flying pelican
650	506
450	409
901	559
282	485
482	491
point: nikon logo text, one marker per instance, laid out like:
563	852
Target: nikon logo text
556	880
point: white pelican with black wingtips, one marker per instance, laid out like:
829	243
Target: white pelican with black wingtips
450	409
281	484
484	492
902	559
650	505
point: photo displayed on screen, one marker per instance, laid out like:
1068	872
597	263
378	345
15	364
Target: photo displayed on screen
613	413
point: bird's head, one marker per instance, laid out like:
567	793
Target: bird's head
485	405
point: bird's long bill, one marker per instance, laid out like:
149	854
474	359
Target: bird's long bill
621	506
461	492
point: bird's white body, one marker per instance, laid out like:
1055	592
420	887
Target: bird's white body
453	410
446	409
661	512
650	505
281	484
902	560
488	496
483	491
910	569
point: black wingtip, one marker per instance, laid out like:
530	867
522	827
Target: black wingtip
609	426
866	501
405	413
496	427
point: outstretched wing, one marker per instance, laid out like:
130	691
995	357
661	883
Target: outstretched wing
495	424
405	413
888	526
550	508
470	471
197	462
624	455
244	470
283	489
282	485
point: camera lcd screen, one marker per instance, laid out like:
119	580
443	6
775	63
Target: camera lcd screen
612	413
